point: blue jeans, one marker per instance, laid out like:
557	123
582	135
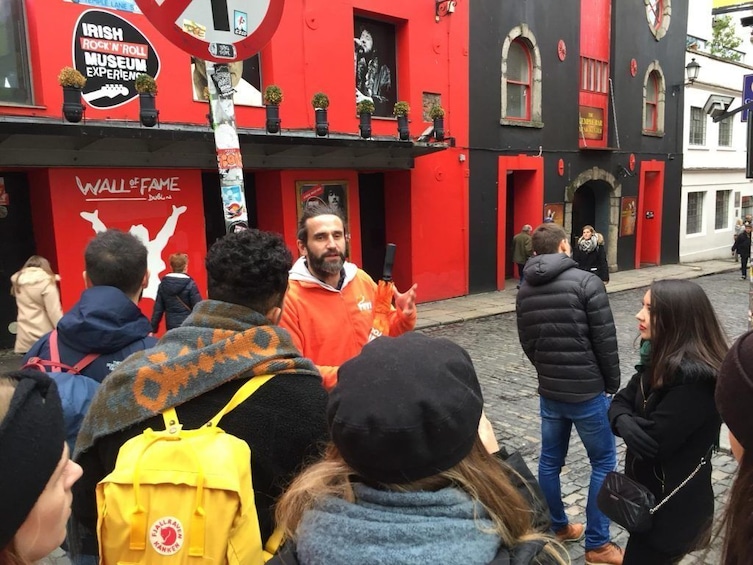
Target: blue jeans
592	425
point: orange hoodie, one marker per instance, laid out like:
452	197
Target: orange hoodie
330	326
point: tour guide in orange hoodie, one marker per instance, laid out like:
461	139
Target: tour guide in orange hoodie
328	308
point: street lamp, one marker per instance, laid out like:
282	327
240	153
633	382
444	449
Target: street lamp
691	70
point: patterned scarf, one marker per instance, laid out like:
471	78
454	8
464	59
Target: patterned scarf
218	342
588	245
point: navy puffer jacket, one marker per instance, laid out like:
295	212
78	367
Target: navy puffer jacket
566	329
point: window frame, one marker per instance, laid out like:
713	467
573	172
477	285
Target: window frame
527	85
652	102
721	217
17	10
654	97
523	35
698	213
698	111
662	16
726	126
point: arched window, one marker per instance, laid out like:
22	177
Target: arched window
518	81
654	91
651	113
521	79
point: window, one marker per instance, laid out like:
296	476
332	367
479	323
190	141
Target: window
721	214
652	102
518	81
594	75
658	14
694	222
697	126
520	101
15	72
725	132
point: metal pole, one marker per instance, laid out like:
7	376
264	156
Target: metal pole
229	162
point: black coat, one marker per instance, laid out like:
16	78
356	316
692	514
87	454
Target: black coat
594	262
686	425
283	423
742	244
566	329
176	297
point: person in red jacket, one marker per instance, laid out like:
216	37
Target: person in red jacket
329	306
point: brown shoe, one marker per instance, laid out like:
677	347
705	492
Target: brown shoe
571	532
608	554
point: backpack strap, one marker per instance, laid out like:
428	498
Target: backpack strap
253	384
55	356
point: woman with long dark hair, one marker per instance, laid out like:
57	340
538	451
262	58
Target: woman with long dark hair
668	419
734	398
407	478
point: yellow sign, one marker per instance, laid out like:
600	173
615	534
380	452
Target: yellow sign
591	122
730	3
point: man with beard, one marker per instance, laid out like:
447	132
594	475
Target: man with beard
329	306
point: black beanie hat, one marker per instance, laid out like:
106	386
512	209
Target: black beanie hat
734	390
32	436
406	408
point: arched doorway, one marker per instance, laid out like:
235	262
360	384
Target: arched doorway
593	198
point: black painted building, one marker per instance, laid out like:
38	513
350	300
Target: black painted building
575	114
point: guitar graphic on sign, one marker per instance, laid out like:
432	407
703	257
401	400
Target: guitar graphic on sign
108	90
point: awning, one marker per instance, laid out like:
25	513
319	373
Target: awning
45	142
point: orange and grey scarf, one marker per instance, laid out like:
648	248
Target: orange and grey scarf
217	343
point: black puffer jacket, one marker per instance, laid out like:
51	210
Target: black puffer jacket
686	425
566	329
176	297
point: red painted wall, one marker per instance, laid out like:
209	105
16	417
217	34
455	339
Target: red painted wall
595	43
137	201
427	207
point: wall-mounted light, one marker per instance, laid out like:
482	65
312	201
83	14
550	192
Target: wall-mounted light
443	8
691	72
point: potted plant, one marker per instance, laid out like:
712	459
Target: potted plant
146	86
320	102
272	99
436	113
72	82
401	111
365	109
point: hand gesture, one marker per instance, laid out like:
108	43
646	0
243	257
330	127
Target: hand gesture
633	431
406	301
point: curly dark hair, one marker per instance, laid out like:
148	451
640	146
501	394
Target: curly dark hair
115	258
249	268
312	210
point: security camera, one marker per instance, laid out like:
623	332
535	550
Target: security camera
717	105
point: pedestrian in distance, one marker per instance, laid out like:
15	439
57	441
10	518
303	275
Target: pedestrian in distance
667	417
734	399
406	478
329	307
37	473
176	296
566	329
742	247
37	301
522	250
590	254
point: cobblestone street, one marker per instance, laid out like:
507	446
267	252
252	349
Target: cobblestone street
509	384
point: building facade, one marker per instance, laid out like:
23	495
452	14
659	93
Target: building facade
715	192
576	116
61	182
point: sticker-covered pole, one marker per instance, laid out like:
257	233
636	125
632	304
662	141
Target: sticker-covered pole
229	160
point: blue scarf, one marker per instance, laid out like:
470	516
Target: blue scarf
399	528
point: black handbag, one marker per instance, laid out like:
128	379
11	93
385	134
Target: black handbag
632	505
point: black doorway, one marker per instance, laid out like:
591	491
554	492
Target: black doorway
373	231
16	246
584	211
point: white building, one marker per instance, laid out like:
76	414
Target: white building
715	192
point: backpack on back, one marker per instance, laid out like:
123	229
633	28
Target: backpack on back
182	496
76	390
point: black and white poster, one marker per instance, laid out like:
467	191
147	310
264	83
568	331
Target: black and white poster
245	77
110	52
375	64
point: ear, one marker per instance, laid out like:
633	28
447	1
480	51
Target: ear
145	282
301	248
563	247
273	315
87	281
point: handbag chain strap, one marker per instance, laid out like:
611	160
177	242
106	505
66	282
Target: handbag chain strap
704	460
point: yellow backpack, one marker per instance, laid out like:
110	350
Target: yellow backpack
182	496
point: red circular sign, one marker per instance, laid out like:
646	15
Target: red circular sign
631	161
633	67
221	31
561	167
561	50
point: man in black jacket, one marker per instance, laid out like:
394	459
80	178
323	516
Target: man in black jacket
742	246
566	329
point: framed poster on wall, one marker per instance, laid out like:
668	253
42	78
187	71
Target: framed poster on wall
555	212
333	192
628	215
375	64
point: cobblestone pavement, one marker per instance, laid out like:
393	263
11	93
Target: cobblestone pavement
509	385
